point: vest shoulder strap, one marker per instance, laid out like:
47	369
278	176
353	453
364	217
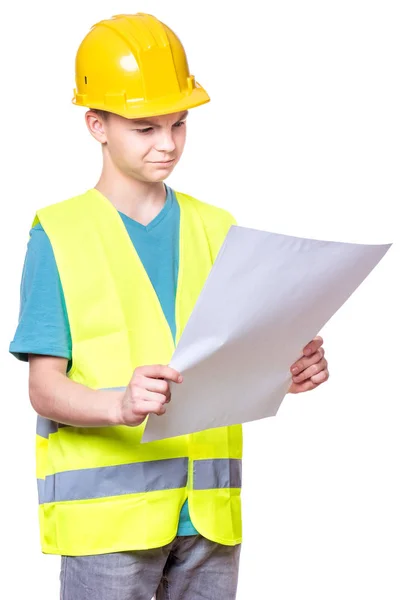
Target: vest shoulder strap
216	221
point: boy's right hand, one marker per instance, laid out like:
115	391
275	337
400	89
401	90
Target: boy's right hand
147	392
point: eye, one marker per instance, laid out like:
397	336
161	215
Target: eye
146	130
179	124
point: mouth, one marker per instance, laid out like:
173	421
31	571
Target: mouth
163	162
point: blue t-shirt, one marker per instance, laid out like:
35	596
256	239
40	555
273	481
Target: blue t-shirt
43	321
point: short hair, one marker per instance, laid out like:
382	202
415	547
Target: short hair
104	114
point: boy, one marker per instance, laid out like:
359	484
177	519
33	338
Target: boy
110	279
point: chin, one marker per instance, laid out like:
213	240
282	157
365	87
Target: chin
158	174
150	177
158	178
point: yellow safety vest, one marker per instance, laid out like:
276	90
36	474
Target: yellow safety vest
100	490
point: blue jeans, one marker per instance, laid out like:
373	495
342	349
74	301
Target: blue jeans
190	568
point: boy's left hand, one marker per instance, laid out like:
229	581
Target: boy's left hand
311	369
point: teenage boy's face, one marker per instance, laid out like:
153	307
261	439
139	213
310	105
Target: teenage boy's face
145	149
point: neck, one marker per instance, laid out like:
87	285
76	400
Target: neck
139	200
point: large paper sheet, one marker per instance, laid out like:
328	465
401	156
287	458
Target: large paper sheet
266	297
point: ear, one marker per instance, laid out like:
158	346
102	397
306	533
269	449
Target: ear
96	126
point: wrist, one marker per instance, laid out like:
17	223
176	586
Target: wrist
115	413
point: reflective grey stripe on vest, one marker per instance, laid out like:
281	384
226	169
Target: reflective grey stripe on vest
41	487
217	473
134	478
44	427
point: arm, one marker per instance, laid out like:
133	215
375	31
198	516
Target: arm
54	396
43	337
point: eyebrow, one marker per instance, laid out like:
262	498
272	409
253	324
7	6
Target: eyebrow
149	123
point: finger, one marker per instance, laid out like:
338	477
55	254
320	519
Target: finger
160	372
147	396
311	371
151	407
160	386
320	377
305	386
305	362
313	346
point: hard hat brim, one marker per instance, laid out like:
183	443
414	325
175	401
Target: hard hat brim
131	109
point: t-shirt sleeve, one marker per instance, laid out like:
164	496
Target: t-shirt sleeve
43	326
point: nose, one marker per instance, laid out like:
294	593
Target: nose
165	141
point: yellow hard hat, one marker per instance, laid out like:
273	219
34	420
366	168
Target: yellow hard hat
135	66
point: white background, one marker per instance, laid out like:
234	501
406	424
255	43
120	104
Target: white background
310	132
